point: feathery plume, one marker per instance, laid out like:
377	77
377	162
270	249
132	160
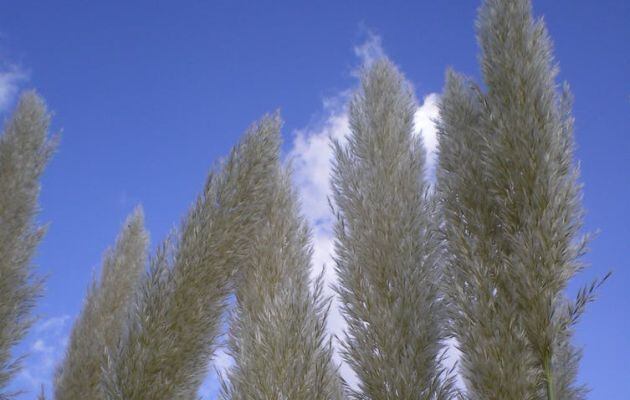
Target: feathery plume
495	362
101	322
278	334
523	219
387	248
24	151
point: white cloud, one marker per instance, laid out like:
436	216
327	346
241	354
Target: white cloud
370	50
310	158
10	79
45	350
54	324
424	121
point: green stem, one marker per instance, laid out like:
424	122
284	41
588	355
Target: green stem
551	393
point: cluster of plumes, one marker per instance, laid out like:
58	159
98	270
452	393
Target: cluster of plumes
511	207
24	151
244	229
483	259
174	322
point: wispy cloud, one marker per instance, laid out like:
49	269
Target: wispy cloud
369	51
11	77
53	324
46	346
424	121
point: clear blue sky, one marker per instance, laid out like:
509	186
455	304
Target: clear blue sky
150	93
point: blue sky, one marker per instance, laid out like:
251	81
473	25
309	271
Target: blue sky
149	94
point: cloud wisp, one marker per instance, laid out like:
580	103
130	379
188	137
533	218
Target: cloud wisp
10	79
45	349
